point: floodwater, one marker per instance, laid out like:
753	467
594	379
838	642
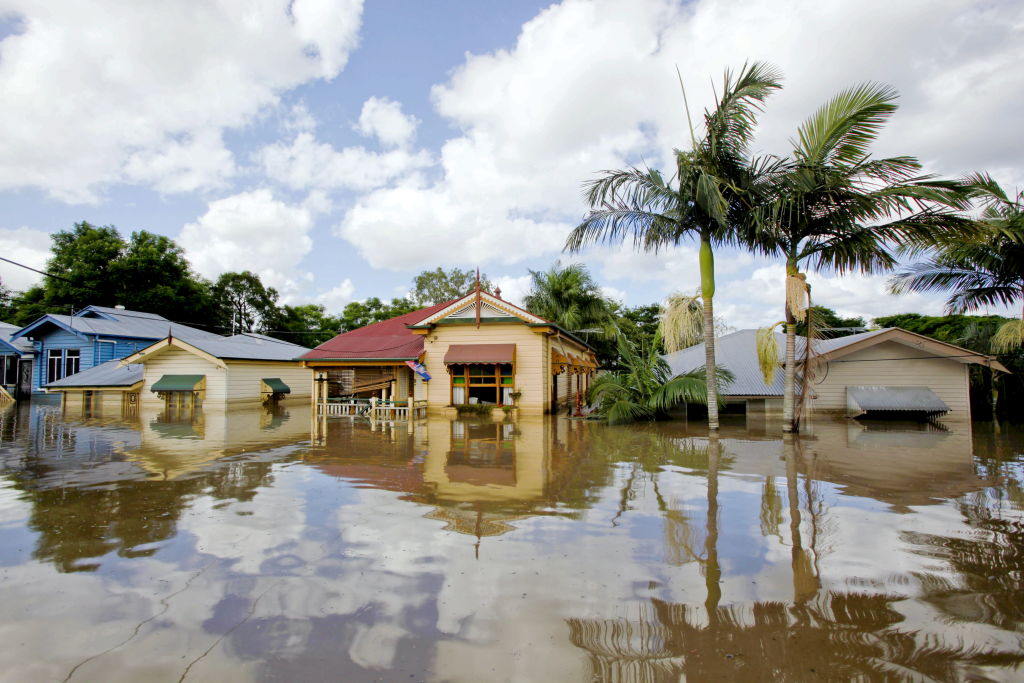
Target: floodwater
258	545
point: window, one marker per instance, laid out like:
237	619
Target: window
10	368
54	365
484	383
72	358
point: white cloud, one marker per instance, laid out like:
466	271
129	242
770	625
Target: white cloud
513	289
384	119
307	163
540	118
88	102
335	299
27	246
252	231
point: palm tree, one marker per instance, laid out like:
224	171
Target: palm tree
645	389
706	199
569	297
980	272
835	208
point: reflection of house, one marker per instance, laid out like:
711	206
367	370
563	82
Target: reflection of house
883	371
67	344
15	363
478	349
186	374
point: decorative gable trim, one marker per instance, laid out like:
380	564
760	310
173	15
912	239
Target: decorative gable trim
491	307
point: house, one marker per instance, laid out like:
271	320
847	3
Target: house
477	349
15	363
64	345
184	375
879	372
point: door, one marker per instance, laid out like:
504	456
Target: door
24	378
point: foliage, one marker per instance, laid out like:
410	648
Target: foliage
5	302
644	389
828	324
569	297
361	313
437	286
307	325
709	198
243	303
474	409
95	265
682	322
768	357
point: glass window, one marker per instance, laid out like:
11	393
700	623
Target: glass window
72	358
54	365
483	383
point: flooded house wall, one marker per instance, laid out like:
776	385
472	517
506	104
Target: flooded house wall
892	364
243	380
532	365
173	361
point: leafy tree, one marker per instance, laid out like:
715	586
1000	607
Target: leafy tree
437	286
84	260
644	389
984	271
5	302
307	325
708	199
836	208
828	325
243	303
362	313
570	298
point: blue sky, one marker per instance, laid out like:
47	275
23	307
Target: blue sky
339	148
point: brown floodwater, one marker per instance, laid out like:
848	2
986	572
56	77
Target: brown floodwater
260	545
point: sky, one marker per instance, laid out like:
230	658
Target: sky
337	148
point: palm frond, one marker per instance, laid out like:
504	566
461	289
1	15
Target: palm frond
768	357
682	322
1009	337
843	129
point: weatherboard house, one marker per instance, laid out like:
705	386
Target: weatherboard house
64	345
887	372
475	350
187	374
15	363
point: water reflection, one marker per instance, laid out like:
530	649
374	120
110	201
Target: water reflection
167	546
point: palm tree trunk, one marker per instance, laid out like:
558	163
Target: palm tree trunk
789	385
707	295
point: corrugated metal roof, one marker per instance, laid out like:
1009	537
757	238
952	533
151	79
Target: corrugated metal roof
738	353
133	324
19	345
892	399
109	374
480	353
248	347
389	339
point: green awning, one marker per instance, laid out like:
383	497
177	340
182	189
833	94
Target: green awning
177	383
276	385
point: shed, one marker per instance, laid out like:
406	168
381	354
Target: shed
880	371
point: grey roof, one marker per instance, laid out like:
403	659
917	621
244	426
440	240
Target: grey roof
109	374
22	345
738	352
248	346
135	324
909	399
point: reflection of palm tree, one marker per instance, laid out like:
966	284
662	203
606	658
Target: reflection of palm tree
805	582
712	568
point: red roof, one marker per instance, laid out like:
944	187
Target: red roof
389	339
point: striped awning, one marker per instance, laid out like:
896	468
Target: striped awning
895	399
178	383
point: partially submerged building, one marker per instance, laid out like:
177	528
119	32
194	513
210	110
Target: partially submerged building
475	350
16	356
189	374
875	373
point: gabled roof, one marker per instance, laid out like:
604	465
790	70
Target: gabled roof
387	340
738	353
109	374
10	345
114	322
245	346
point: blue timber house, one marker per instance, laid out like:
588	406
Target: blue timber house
64	345
16	357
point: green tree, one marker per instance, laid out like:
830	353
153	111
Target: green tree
307	325
985	271
829	325
835	208
362	313
569	297
709	198
437	286
84	259
243	303
644	389
5	302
